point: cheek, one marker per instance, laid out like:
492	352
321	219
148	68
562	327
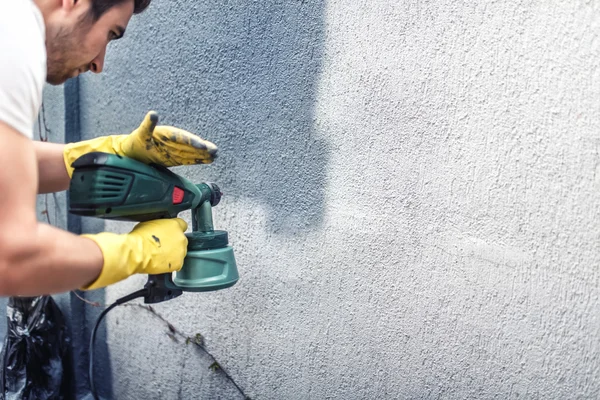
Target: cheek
94	45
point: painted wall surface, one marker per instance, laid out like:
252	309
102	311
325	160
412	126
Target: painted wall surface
412	190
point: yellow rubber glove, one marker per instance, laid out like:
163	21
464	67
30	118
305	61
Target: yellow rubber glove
164	145
152	247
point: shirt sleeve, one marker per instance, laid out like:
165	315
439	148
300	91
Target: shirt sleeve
22	64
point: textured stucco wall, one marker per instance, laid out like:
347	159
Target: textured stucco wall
412	190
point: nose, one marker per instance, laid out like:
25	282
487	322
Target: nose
97	63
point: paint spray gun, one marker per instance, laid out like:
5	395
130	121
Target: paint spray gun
113	187
109	186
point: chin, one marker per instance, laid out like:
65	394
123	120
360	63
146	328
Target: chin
56	80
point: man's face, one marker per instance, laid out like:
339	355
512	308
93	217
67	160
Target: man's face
75	43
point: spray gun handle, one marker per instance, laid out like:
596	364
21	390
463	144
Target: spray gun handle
160	288
209	264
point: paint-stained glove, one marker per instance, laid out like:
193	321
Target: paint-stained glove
164	145
152	247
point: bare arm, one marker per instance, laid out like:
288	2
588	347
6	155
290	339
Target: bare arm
52	173
36	258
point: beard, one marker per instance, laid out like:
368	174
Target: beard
63	51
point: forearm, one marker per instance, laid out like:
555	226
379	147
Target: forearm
36	258
52	173
47	261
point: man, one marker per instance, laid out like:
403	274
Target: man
54	40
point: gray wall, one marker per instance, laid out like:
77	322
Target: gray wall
412	190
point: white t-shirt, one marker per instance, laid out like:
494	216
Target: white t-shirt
22	64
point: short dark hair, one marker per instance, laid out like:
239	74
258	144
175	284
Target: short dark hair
99	7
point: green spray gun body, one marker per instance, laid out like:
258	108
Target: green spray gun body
109	186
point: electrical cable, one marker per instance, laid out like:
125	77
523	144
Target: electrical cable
125	299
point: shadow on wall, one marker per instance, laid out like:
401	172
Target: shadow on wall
241	74
276	155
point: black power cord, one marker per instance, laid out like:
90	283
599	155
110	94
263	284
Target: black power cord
125	299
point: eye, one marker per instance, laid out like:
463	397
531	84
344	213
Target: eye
112	35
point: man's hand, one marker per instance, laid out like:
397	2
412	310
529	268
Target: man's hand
164	145
152	247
